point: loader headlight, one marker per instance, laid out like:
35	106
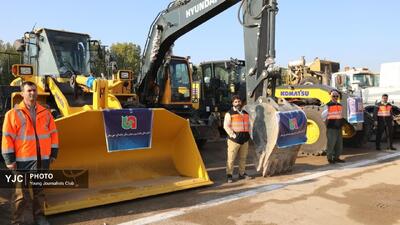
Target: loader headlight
25	70
125	75
22	70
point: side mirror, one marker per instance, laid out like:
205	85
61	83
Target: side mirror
19	45
232	88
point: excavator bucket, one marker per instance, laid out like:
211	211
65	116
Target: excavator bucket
278	129
172	162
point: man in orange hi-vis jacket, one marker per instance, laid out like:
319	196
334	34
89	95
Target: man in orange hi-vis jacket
334	122
29	144
237	125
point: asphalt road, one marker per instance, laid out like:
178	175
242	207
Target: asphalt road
312	193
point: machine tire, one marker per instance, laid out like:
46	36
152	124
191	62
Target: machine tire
200	143
362	137
314	123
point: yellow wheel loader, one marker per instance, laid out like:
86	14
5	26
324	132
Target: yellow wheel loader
309	88
58	63
312	99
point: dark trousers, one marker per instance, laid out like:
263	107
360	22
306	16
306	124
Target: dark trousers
335	143
21	198
387	127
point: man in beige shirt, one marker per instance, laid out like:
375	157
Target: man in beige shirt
237	126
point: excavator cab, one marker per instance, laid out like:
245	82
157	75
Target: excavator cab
174	80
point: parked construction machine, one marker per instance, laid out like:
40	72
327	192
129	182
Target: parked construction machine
219	81
58	62
371	86
312	99
166	158
259	23
306	85
173	89
317	72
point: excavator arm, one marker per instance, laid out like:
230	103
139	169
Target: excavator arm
284	123
182	16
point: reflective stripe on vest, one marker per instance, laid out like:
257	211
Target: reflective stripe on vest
31	158
240	122
334	112
22	120
9	134
384	110
8	150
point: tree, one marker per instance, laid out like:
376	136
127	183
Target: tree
8	57
98	62
127	56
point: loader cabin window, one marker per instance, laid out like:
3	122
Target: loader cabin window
71	52
180	81
365	79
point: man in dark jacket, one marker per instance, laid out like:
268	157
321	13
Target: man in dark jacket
383	117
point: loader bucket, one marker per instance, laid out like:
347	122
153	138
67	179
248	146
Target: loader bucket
172	163
277	130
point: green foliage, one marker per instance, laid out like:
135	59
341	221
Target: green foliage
8	57
127	56
98	63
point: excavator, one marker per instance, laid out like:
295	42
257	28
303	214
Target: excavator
138	152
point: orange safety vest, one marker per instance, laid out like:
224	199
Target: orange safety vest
19	136
334	112
240	122
384	110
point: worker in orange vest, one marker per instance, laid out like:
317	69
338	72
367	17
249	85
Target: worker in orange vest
383	117
29	144
237	126
334	122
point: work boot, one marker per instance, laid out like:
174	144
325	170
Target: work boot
393	148
41	221
339	160
229	178
245	176
331	161
378	148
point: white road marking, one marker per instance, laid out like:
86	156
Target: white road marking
259	189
